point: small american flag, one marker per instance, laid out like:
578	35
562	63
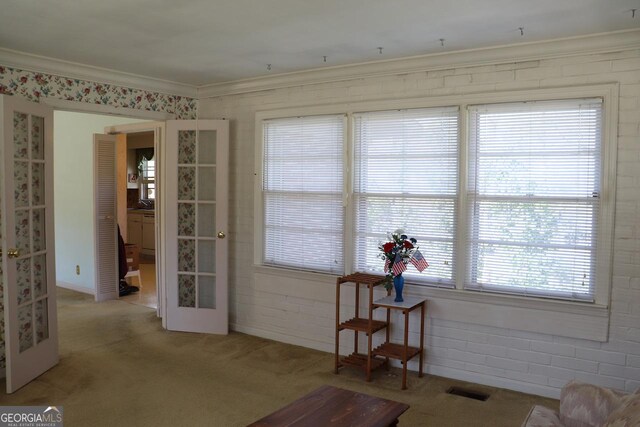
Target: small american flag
418	261
386	265
398	265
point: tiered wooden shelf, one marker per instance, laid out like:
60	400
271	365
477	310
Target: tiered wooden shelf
358	360
362	325
403	352
367	362
395	351
372	359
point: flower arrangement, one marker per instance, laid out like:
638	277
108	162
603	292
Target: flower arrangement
397	252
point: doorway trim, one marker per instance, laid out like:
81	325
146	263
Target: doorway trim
158	129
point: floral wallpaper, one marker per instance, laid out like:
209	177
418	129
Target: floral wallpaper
41	320
186	183
186	291
20	136
186	146
186	219
23	280
25	327
35	86
186	255
39	275
38	231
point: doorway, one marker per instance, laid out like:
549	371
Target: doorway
138	192
74	193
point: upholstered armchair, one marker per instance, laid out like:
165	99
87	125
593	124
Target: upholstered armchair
586	405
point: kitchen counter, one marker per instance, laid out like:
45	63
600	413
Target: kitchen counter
141	211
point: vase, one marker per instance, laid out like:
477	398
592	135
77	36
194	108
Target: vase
398	284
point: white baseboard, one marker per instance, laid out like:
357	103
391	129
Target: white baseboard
74	287
492	381
441	371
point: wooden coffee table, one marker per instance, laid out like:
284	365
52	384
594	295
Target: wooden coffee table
335	407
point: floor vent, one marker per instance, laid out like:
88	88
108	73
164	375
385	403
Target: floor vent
459	391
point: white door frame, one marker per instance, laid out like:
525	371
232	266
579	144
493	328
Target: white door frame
158	129
84	107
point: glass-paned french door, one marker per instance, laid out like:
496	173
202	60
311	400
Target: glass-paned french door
28	277
197	188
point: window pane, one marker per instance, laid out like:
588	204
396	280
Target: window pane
302	189
406	176
535	182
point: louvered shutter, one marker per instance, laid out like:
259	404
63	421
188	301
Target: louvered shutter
106	224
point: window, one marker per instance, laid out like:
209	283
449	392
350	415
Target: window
302	193
406	176
534	197
148	179
503	197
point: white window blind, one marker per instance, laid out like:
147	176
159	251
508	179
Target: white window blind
406	176
534	175
303	193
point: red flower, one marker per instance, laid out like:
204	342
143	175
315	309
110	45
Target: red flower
388	247
23	79
407	244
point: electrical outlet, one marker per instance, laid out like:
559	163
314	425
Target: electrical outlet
78	270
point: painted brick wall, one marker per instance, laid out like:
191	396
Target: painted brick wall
302	311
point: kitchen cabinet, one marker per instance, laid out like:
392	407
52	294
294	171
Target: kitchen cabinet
148	233
141	227
134	229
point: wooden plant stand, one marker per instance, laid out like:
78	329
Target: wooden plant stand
367	361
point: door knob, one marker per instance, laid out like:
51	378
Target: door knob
13	253
221	235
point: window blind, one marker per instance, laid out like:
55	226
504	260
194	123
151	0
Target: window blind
303	193
534	176
406	176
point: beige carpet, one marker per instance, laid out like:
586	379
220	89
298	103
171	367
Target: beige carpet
118	367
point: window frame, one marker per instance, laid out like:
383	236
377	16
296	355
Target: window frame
597	310
145	181
469	283
443	283
261	259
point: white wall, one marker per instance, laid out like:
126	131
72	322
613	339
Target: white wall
300	309
73	195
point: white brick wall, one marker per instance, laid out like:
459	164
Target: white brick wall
302	312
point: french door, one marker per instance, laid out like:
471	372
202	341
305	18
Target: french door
28	264
196	194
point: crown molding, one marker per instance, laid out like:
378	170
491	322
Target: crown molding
572	46
43	64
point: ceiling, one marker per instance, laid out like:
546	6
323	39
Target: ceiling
199	42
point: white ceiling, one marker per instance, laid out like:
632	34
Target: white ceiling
209	41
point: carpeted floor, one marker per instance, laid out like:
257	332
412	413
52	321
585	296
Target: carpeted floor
118	367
